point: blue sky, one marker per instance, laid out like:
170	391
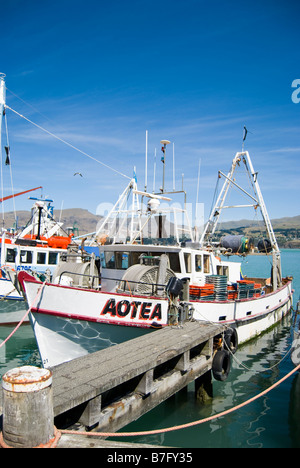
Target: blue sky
98	74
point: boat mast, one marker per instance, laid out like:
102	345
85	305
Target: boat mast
256	188
257	201
163	159
2	112
2	100
211	224
276	268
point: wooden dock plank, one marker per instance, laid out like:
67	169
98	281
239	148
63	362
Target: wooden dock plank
136	354
96	373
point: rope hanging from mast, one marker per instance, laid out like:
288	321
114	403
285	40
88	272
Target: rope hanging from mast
8	163
67	143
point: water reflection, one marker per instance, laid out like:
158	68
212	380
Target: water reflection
294	412
19	350
266	422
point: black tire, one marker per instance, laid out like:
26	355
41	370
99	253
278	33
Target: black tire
221	365
231	340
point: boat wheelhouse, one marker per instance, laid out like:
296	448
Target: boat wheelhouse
186	262
37	248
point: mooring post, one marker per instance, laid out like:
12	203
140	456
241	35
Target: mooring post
28	419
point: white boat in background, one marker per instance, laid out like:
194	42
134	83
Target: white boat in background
37	248
146	284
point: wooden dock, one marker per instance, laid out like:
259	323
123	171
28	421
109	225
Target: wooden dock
112	387
108	389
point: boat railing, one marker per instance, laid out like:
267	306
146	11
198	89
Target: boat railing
131	287
91	282
246	289
122	285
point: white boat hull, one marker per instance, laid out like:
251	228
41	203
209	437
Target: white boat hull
12	312
250	317
12	304
8	291
70	322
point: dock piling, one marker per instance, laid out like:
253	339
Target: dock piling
28	418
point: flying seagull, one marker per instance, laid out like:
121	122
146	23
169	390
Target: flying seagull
78	174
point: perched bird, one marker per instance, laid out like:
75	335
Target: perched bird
78	174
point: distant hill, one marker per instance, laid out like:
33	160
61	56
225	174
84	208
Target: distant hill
78	218
287	223
73	217
287	229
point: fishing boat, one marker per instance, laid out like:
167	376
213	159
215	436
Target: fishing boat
147	284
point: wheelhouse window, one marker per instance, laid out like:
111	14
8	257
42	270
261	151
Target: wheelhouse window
124	260
110	260
223	270
41	258
135	257
10	255
102	260
174	262
187	262
198	263
26	256
121	260
53	258
206	261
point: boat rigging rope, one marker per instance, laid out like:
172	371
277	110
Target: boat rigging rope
238	361
68	144
241	364
10	168
7	294
187	425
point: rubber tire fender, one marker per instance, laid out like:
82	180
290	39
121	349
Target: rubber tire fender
231	340
221	365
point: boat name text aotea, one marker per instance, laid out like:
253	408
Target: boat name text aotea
136	309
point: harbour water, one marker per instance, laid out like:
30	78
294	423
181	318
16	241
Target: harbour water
272	421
